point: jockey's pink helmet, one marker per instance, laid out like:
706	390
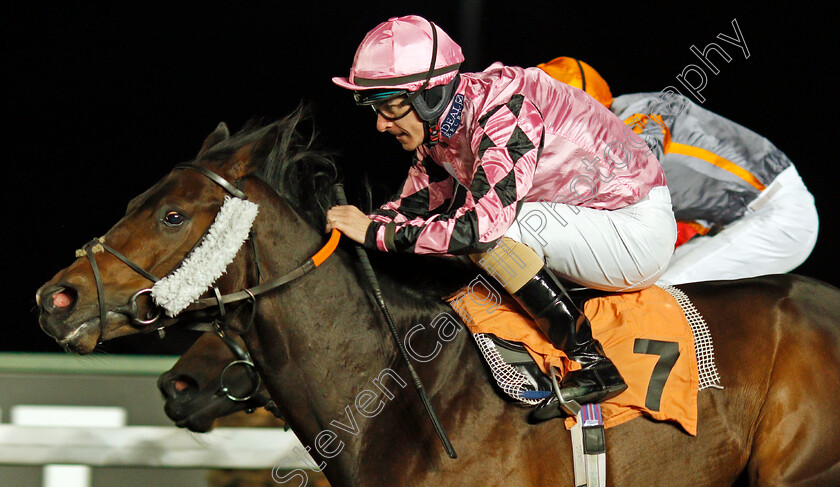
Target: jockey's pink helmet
398	54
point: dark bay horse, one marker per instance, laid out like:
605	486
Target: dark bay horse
193	387
333	370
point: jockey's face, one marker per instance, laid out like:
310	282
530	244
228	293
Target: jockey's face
406	126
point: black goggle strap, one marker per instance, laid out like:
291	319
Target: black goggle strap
429	74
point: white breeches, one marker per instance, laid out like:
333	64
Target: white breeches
613	250
776	234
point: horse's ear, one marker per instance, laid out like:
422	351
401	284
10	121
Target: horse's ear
220	134
252	157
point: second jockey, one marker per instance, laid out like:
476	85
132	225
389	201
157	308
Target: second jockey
742	210
531	178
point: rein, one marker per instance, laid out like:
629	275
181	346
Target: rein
255	291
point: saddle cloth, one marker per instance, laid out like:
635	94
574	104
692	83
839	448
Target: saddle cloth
645	333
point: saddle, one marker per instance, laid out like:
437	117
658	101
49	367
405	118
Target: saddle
655	337
645	333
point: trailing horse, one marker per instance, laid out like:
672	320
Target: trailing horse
334	372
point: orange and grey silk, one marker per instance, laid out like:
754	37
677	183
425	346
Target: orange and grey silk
715	167
511	135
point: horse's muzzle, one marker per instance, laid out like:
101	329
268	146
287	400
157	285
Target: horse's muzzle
56	303
188	406
59	306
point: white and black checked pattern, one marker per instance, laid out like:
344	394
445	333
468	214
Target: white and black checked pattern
508	378
703	346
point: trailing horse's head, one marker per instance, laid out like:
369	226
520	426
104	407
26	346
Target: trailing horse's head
107	291
210	381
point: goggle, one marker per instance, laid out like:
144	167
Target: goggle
379	102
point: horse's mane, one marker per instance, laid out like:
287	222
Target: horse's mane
304	174
301	173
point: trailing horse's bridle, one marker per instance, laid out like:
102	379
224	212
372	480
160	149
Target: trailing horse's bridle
242	358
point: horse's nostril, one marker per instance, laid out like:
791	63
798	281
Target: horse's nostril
60	299
63	298
172	388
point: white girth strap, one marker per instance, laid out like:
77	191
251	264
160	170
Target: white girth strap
589	448
209	260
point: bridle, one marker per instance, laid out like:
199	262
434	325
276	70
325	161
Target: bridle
222	322
243	359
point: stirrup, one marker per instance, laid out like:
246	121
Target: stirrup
569	406
594	384
555	406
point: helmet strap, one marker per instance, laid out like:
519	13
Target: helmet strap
432	132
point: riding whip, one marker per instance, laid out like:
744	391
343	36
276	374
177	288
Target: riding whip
373	282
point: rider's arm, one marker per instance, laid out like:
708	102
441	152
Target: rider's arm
506	143
425	192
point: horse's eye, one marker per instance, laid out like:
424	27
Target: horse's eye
173	219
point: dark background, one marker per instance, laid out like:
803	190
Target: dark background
100	101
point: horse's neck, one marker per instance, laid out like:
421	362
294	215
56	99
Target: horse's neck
334	369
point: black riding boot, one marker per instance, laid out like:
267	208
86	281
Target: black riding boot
567	328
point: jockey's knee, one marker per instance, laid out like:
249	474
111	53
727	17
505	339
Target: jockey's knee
510	262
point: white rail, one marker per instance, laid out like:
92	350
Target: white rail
150	446
67	440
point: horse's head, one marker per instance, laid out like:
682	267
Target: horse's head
210	381
105	293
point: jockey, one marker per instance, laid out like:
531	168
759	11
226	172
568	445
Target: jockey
742	208
518	171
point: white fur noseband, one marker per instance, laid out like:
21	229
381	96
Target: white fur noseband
209	260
